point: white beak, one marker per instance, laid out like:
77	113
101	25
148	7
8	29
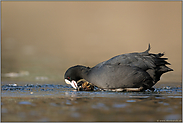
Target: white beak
72	83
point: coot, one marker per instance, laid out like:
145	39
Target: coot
131	71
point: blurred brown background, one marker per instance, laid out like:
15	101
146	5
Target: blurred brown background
43	39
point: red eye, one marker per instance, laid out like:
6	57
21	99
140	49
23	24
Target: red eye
68	77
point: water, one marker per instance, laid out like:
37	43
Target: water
56	102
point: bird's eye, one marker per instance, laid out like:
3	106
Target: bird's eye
68	77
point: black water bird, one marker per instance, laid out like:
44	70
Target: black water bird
131	71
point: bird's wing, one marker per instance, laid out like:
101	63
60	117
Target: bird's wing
143	60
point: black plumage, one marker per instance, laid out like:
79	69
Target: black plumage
131	70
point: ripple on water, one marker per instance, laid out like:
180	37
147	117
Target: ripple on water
160	97
163	103
131	101
139	97
120	105
68	102
26	103
100	106
174	96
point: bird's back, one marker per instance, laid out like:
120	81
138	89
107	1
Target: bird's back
126	65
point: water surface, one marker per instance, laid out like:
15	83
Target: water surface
56	102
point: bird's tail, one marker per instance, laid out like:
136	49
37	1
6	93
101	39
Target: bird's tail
160	66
